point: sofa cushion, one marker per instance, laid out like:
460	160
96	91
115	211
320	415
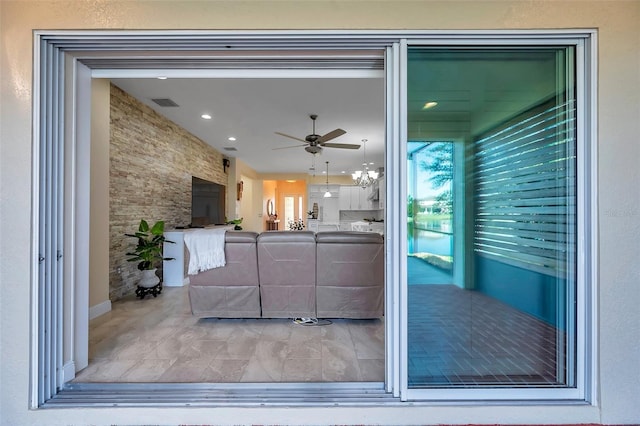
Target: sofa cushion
350	275
287	268
231	291
241	267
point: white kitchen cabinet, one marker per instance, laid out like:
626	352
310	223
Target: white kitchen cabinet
382	193
314	195
365	202
358	198
355	198
354	195
329	210
345	198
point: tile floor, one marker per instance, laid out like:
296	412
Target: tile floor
464	338
158	340
456	338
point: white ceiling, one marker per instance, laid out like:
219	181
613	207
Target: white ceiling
251	110
474	92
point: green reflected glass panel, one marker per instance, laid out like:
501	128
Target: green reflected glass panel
491	161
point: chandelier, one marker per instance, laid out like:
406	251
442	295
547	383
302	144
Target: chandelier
364	177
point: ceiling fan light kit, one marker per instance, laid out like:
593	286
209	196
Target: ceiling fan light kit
366	177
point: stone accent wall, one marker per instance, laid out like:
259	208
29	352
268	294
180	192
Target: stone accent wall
151	163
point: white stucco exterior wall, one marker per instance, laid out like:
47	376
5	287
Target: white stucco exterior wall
618	328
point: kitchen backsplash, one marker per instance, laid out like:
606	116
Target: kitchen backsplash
355	215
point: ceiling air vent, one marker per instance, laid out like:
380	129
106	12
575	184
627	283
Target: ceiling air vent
165	102
229	148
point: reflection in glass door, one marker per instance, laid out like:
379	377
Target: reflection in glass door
492	217
430	212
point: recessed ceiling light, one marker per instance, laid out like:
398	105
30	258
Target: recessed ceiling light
372	163
162	77
291	181
232	139
429	104
343	172
206	116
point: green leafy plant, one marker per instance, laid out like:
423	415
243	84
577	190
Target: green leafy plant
149	249
235	222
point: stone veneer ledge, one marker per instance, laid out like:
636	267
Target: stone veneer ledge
151	164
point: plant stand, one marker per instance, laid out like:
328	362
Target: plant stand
141	292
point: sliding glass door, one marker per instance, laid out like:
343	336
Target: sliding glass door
488	212
491	217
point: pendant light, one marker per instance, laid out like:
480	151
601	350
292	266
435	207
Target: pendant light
312	169
327	194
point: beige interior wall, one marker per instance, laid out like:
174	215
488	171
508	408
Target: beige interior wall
333	180
269	188
256	206
99	210
248	207
617	331
251	204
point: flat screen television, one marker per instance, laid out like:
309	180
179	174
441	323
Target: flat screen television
207	202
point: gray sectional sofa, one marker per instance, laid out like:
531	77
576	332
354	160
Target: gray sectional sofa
292	274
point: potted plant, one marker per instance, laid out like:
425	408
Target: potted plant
148	252
235	222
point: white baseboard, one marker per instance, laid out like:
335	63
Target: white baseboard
100	309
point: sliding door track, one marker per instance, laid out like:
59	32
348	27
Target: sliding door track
220	395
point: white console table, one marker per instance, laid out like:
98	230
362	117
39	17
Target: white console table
174	272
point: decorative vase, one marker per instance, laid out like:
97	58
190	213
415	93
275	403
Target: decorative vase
314	215
149	278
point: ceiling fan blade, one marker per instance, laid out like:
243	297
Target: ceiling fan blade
287	147
340	145
331	135
289	136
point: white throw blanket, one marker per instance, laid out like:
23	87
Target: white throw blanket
206	249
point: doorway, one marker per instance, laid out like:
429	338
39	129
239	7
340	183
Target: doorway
253	365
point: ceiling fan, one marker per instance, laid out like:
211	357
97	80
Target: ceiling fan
314	143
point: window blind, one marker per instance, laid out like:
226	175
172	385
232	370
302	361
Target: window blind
525	182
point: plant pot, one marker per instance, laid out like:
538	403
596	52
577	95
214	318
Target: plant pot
149	278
